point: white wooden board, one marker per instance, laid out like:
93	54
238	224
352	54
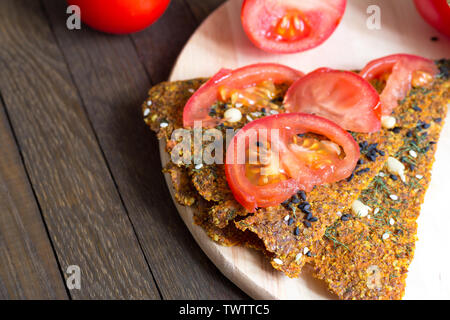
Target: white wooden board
221	42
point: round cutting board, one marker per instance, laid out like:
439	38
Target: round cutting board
221	42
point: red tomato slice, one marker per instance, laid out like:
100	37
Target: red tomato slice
340	96
294	159
290	26
198	106
401	71
436	13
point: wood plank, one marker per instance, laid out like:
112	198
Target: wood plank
87	223
202	8
159	46
28	268
113	85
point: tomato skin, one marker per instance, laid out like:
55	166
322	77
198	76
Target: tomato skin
258	17
401	68
340	96
377	67
197	107
436	13
252	196
120	16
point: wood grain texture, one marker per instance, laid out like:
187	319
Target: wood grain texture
87	223
202	8
159	45
221	42
112	84
28	268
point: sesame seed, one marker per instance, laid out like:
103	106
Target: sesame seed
305	250
385	236
372	146
412	153
388	122
391	221
409	134
302	195
397	129
277	261
396	167
146	112
359	209
376	210
426	125
419	176
295	199
438	120
273	112
309	254
309	216
149	103
381	174
393	197
232	115
313	219
416	108
307	224
372	157
305	205
191	90
198	166
305	210
286	218
249	118
393	177
290	221
345	217
360	161
363	145
163	124
298	257
362	171
297	231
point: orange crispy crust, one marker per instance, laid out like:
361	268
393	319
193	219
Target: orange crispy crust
353	258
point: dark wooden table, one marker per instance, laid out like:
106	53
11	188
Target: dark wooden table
80	175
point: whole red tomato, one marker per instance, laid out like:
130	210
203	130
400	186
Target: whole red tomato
436	13
120	16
